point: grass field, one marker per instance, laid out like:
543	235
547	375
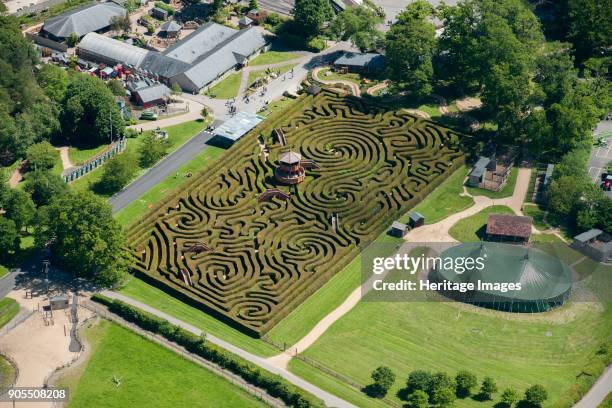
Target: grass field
136	209
504	192
329	75
471	229
444	200
515	350
255	75
8	309
3	271
152	376
226	88
158	299
177	136
535	212
79	155
273	57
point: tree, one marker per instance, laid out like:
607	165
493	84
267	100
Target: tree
509	397
556	75
309	16
83	236
121	23
9	238
20	208
117	172
419	380
176	88
151	150
89	112
465	382
359	24
43	186
488	388
418	399
41	156
442	389
253	5
589	24
72	40
536	395
116	87
410	45
383	379
53	80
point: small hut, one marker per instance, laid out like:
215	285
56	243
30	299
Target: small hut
290	170
503	227
398	229
58	302
416	219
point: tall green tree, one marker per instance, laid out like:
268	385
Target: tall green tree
417	399
117	172
383	378
43	186
19	208
359	25
89	112
53	80
419	380
84	237
442	389
9	238
465	380
509	397
409	48
536	395
488	388
589	26
151	150
309	16
42	156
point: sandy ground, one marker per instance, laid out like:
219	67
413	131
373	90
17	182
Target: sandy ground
354	88
16	177
437	232
66	163
468	103
38	349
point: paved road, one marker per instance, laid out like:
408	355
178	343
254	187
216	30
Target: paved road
598	391
601	156
167	166
329	399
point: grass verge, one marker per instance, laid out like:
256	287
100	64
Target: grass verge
507	191
226	88
273	57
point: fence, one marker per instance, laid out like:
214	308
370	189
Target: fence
101	311
22	316
46	42
74	173
38	7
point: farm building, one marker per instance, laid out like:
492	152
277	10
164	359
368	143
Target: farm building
416	219
59	302
491	171
594	243
95	17
398	229
545	281
193	62
233	129
504	227
477	174
153	95
159	13
170	29
369	63
245	22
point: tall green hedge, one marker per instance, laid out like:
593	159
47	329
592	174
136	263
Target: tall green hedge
274	385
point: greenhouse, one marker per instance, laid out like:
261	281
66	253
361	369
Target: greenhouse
511	278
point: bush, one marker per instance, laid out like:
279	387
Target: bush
118	171
164	6
151	150
383	379
274	385
536	395
465	382
317	44
41	156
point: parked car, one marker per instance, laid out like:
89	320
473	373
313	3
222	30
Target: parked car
148	115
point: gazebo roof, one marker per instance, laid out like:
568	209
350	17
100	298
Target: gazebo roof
290	157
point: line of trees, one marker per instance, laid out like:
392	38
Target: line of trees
425	389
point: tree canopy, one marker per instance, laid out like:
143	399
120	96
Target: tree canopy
359	25
41	156
309	16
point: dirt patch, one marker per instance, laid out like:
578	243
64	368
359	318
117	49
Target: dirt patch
468	103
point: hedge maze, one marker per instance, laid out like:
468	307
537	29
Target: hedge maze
250	261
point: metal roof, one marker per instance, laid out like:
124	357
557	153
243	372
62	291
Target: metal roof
398	225
153	93
588	235
108	49
198	43
83	20
236	127
171	26
416	216
480	167
549	172
290	157
365	60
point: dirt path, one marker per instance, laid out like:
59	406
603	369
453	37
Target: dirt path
17	175
372	90
38	349
353	86
437	232
66	163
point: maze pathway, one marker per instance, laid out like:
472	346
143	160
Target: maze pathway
264	258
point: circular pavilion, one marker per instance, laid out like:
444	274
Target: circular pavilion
545	281
290	170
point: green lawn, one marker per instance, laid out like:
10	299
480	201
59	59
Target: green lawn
227	88
7	373
273	57
177	136
516	350
127	370
255	75
535	212
507	191
304	317
334	76
277	105
471	229
8	309
137	209
79	155
445	200
158	299
3	271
